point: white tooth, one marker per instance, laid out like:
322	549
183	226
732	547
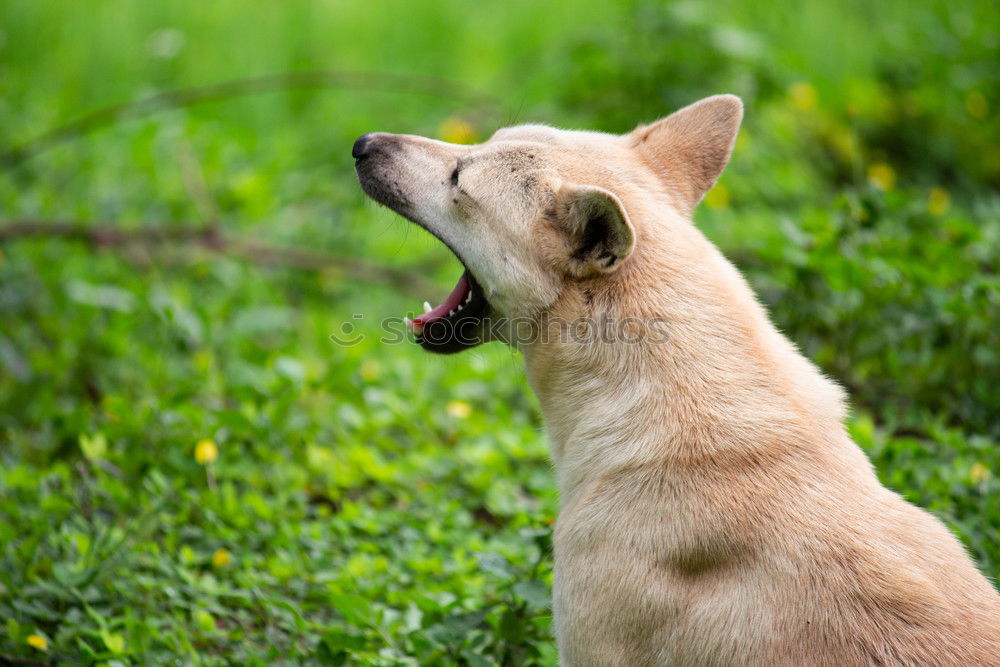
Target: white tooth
468	297
415	327
427	307
450	313
458	309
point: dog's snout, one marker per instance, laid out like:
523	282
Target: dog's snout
362	146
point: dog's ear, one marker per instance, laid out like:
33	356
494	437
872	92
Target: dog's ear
689	148
598	230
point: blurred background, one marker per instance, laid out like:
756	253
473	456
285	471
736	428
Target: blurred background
191	468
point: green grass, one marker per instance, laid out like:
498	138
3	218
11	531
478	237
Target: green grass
372	504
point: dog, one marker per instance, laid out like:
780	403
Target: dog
713	508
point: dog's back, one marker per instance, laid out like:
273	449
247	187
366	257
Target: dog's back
764	563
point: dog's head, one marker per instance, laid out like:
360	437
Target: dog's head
535	210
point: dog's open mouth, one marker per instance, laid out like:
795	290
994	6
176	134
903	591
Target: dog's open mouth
456	324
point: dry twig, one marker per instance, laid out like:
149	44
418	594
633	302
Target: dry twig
214	239
184	97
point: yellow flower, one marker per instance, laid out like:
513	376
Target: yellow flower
881	176
978	473
454	130
938	201
203	360
459	409
205	452
844	142
803	96
370	370
718	197
39	642
220	558
976	104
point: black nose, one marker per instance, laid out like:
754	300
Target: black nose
361	146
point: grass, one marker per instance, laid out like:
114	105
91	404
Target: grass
371	504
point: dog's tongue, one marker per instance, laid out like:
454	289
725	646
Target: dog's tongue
454	301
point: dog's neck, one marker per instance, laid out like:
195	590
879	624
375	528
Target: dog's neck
681	366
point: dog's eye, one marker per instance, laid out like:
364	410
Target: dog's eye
454	177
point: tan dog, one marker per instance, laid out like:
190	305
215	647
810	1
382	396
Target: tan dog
714	510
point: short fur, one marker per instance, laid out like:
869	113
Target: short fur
714	509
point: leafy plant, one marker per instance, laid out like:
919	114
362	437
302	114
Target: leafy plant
191	468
